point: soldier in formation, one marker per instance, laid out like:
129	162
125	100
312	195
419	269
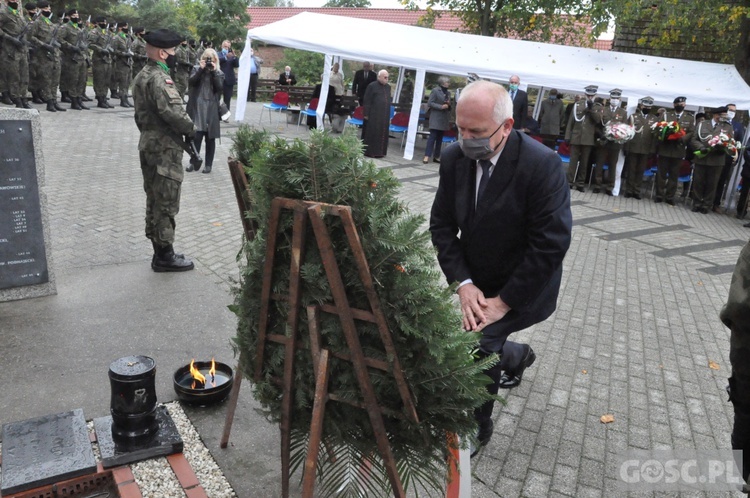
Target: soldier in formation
14	61
580	134
640	148
73	70
46	57
608	151
123	65
100	42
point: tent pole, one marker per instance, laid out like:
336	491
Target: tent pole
416	103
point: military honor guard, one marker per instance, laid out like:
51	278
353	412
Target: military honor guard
640	148
672	152
608	151
580	134
709	157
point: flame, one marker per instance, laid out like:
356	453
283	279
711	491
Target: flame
212	372
195	373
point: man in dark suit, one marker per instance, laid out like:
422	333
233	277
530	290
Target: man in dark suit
362	79
287	78
507	261
520	102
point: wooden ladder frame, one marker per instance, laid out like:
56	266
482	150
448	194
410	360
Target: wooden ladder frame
304	211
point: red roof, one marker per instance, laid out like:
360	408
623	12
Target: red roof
260	16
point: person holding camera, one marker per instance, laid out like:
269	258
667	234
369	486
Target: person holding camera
439	106
205	87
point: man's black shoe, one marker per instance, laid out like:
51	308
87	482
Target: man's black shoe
581	189
510	379
658	199
670	202
597	190
628	196
609	192
746	225
165	260
484	434
696	209
637	196
704	210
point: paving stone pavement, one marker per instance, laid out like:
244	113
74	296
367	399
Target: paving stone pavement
636	326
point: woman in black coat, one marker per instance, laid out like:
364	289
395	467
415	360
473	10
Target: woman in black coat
205	87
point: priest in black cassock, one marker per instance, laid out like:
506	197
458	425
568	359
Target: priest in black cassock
377	104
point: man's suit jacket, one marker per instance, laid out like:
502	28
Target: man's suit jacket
514	242
362	80
520	109
283	78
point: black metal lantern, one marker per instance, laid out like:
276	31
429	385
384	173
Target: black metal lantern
133	402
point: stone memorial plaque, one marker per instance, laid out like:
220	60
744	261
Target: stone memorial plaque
45	450
119	451
23	260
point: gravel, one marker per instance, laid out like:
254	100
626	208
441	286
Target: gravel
155	477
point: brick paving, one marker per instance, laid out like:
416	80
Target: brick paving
636	326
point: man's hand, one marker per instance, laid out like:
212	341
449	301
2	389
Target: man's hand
494	312
473	305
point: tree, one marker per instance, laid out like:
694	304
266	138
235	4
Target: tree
710	30
356	4
307	66
223	20
271	3
534	20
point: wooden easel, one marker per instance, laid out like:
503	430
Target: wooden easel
313	211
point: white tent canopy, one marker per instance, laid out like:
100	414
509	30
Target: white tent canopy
538	64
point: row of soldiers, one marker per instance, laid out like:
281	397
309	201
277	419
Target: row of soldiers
39	55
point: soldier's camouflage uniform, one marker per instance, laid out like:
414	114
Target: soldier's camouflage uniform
46	58
736	316
101	61
162	121
139	57
123	66
73	64
14	63
182	68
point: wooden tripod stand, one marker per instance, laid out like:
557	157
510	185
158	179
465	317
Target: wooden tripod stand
304	211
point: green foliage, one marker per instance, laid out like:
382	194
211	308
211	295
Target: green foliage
710	28
533	20
306	66
360	4
223	20
435	354
271	3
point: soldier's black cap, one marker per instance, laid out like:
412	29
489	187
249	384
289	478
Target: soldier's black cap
100	19
42	5
680	100
30	6
720	110
121	24
71	12
163	38
139	30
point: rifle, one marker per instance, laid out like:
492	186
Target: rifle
129	47
108	45
20	38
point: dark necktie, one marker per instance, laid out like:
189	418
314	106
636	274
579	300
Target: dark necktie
512	95
486	165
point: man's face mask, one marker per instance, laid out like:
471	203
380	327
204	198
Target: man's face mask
170	61
730	115
646	110
679	107
552	97
479	148
614	102
13	5
513	86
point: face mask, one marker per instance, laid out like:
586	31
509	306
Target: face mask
513	87
614	102
170	61
553	97
679	108
646	110
479	148
224	51
46	13
103	26
730	115
13	5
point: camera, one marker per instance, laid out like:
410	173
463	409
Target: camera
209	64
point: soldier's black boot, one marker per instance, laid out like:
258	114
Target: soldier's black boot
207	168
65	98
25	103
165	260
58	107
124	102
74	104
51	105
37	99
100	103
17	102
81	104
106	102
85	98
5	99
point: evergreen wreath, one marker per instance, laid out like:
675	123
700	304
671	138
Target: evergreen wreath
435	354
